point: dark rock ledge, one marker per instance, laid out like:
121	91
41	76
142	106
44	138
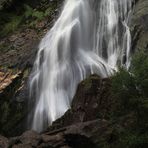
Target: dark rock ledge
84	125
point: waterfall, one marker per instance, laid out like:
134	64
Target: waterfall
90	36
113	34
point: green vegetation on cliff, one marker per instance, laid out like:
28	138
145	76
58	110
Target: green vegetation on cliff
25	14
130	95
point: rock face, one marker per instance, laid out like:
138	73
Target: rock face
17	54
82	126
3	142
92	101
139	27
87	134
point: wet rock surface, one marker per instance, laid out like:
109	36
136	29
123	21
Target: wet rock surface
139	27
80	126
84	125
92	101
86	134
3	142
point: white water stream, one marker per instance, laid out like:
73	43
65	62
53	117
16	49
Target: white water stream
90	36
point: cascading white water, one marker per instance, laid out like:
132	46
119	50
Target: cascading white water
113	34
84	40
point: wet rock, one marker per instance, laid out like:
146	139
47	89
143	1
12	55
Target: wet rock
139	27
3	142
30	138
55	140
86	134
80	126
11	110
84	125
92	101
48	138
14	141
7	79
22	146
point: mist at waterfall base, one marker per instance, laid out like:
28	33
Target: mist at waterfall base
90	36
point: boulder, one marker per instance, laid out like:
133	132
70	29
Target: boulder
87	134
30	138
3	142
92	101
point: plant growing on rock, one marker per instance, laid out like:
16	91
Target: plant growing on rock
130	95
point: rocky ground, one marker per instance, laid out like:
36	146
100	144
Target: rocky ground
86	124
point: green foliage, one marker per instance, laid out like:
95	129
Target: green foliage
28	11
12	25
33	13
131	86
38	15
130	93
48	11
33	16
140	70
130	139
124	91
10	22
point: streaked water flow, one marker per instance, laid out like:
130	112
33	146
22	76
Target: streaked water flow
90	36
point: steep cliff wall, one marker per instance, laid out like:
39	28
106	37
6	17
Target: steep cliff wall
18	47
87	123
139	25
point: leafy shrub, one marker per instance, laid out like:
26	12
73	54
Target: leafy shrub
33	13
48	11
10	22
12	25
28	11
130	93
